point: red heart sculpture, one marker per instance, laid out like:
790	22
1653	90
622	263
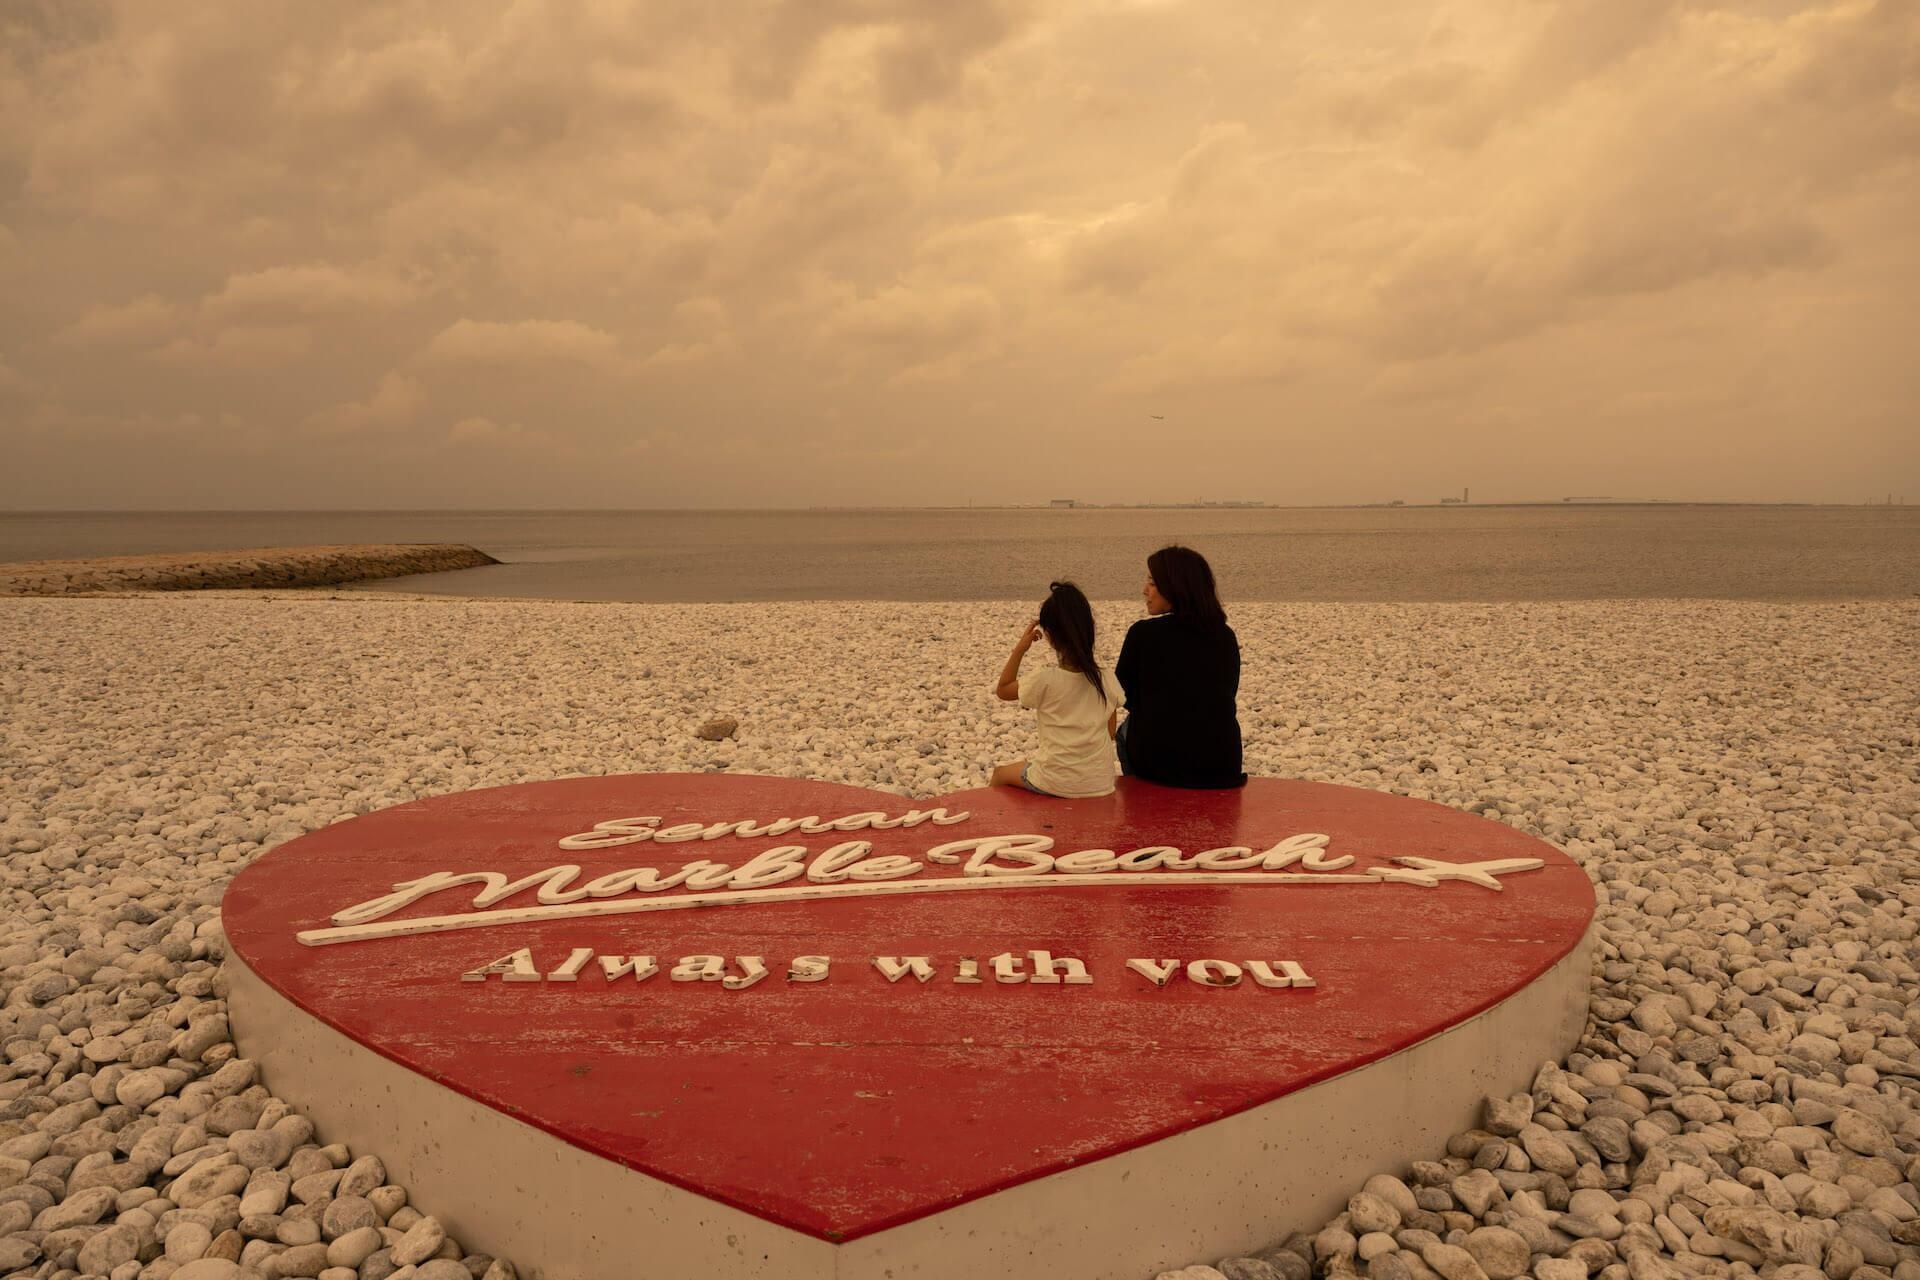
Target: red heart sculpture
842	1106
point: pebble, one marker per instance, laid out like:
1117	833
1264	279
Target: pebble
354	1247
449	1269
1452	1262
1368	1213
422	1240
209	1269
1501	1253
1739	779
188	1241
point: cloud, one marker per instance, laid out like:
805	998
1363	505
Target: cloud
238	348
924	332
141	322
395	402
522	343
1119	252
981	217
1693	179
925	58
1578	41
907	55
679	354
308	290
807	204
1207	360
13	386
703	331
484	433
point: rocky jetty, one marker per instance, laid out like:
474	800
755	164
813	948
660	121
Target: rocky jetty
1739	779
261	567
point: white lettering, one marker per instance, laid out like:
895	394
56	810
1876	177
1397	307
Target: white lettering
1086	861
569	970
772	866
831	866
1153	855
891	867
1016	861
752	969
699	969
1065	969
939	817
744	829
641	967
1291	850
1028	853
1214	973
1290	975
1039	967
809	969
1231	858
702	874
614	831
633	880
893	968
1158	972
618	831
516	966
497	886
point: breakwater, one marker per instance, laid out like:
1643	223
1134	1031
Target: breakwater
259	567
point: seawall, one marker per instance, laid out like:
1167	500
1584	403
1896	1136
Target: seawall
257	567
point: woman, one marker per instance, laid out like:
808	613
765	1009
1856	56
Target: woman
1180	668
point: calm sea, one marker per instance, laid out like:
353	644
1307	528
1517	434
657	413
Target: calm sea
1465	553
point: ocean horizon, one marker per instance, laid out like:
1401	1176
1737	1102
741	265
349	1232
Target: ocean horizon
1465	552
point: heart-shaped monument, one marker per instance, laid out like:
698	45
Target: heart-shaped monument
759	1026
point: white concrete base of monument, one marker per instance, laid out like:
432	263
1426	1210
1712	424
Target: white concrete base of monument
1226	1188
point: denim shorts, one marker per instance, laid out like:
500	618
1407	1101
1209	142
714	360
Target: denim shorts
1026	781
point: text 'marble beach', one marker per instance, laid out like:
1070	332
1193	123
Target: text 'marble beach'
849	868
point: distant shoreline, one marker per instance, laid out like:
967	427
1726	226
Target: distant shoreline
1504	552
1552	503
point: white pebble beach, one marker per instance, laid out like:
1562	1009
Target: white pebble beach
1740	779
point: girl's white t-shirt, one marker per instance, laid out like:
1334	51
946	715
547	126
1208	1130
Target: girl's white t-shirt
1076	755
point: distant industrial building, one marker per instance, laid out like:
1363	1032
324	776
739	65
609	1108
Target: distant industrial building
1064	502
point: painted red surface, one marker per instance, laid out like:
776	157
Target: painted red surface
843	1107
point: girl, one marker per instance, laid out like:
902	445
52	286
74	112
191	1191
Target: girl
1075	702
1180	667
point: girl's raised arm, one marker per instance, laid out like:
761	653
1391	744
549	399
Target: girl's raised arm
1008	689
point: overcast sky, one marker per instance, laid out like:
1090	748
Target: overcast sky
261	255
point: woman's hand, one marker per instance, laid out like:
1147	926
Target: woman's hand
1029	636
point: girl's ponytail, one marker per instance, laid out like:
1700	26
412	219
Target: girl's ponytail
1067	619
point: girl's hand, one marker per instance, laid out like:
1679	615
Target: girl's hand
1008	688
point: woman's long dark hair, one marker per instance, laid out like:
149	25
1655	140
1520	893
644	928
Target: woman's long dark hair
1067	619
1183	577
